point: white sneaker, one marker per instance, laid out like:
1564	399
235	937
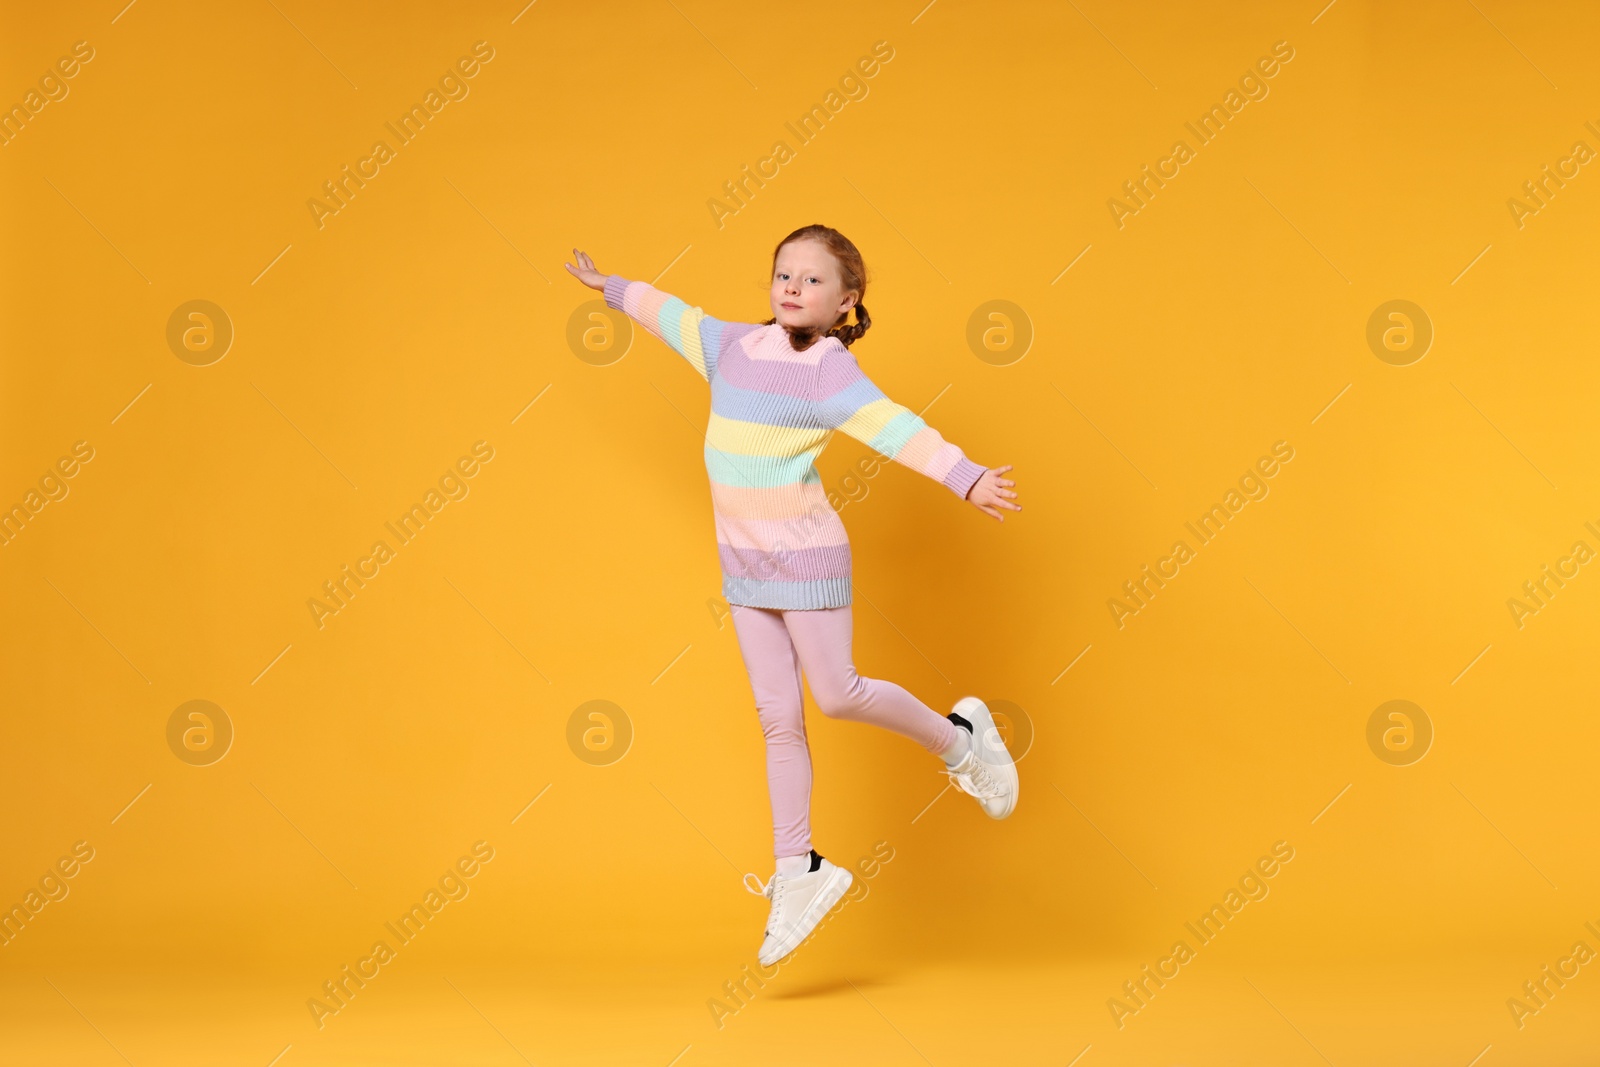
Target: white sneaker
987	771
798	903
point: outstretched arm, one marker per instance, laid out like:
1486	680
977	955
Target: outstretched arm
848	400
688	331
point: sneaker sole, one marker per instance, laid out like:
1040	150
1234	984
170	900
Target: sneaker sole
976	712
835	887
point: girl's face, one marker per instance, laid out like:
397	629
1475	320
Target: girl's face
807	290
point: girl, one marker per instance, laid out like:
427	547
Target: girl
779	390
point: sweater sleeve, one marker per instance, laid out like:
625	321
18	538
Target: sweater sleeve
688	331
848	400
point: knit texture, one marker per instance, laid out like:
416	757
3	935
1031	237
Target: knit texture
773	410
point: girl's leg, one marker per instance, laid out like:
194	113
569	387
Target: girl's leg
822	639
774	669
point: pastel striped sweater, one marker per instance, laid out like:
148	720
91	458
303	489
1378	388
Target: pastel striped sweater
773	410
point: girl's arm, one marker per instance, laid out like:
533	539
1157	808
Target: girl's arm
688	331
848	400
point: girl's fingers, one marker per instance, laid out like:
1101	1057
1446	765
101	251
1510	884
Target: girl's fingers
1002	498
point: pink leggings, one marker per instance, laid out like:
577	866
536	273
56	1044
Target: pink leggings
776	646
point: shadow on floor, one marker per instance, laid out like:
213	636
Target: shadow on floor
826	986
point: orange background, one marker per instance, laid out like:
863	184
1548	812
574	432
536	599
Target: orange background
432	312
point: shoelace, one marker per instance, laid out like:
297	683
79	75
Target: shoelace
773	889
978	781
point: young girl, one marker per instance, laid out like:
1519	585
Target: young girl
779	390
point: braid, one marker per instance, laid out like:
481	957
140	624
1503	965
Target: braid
851	334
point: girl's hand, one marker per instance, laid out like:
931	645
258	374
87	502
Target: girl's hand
989	492
585	271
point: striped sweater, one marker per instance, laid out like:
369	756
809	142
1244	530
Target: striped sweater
773	410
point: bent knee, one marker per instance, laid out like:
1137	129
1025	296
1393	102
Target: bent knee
841	701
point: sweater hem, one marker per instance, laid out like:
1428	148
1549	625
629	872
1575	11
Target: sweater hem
786	596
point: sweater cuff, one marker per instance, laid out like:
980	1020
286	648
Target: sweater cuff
963	476
616	284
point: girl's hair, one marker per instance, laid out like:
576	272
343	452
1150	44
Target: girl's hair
853	274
